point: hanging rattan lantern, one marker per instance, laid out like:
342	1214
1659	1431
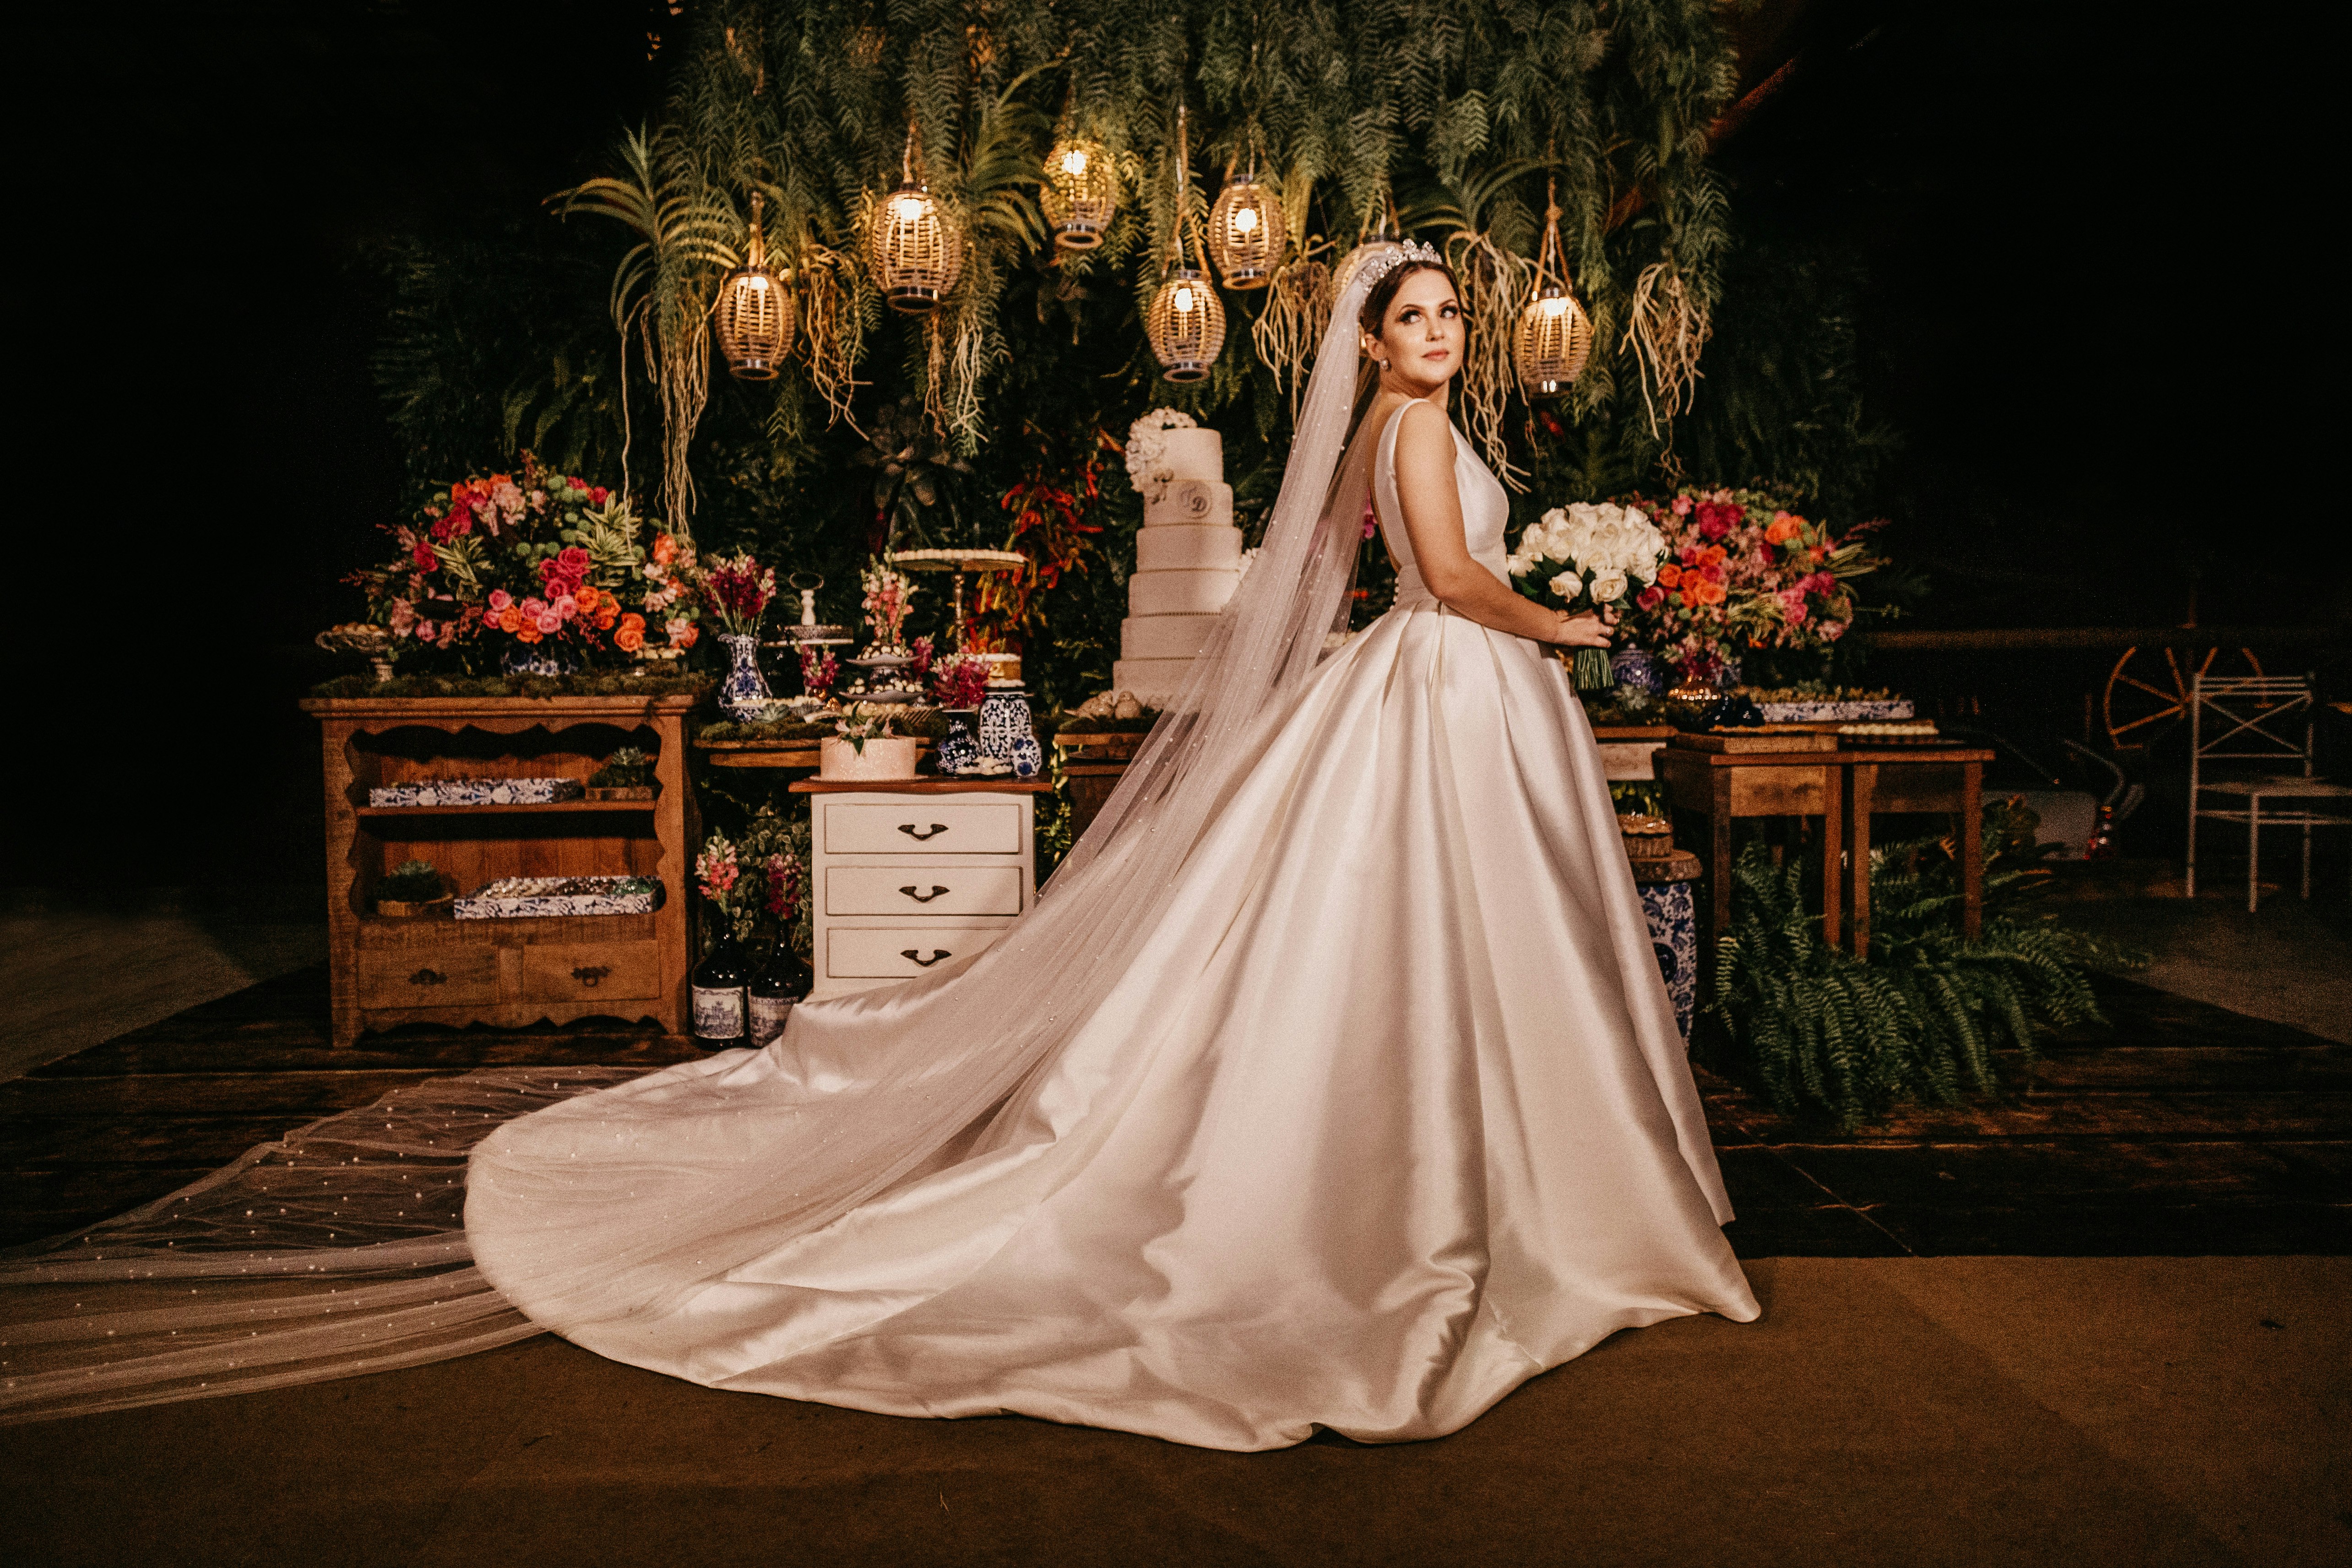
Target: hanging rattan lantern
1247	234
1554	338
915	251
1080	194
756	314
1186	322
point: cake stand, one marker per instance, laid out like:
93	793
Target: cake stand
958	562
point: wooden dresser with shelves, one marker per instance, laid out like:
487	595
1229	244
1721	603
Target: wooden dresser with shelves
904	877
434	969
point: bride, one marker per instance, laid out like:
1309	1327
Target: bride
1330	1083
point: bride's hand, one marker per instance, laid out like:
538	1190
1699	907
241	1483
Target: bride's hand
1590	630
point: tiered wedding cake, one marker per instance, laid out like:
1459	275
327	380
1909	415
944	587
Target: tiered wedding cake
1188	554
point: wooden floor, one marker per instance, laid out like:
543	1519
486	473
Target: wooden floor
2184	1130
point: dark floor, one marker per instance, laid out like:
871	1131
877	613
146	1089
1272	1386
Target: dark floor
2183	1130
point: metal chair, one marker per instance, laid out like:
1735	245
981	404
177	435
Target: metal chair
2257	719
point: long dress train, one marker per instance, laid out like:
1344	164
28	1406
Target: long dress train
1390	1114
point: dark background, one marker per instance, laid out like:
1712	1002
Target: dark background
2096	303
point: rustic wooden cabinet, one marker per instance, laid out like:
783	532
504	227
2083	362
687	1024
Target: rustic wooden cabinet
905	877
434	969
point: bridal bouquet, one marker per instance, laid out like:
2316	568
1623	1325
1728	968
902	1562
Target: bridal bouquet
1584	558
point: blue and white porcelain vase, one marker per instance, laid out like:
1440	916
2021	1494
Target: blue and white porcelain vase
958	747
1638	669
744	688
540	661
1006	732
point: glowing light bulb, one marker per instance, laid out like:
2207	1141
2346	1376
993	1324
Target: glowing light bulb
1183	297
907	209
1074	163
1245	222
1555	306
759	284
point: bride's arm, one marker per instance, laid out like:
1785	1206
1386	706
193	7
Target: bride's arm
1433	521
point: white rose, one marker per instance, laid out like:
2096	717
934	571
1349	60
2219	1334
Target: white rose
1567	584
1607	587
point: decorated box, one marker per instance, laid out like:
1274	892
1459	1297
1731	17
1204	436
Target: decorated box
1836	712
478	792
532	897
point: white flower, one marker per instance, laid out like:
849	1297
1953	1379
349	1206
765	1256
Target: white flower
1146	450
1567	584
1608	586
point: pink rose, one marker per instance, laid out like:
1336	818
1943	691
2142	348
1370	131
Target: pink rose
533	609
403	617
500	599
1651	598
565	607
424	631
1682	506
572	561
549	622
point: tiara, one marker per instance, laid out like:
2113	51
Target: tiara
1382	263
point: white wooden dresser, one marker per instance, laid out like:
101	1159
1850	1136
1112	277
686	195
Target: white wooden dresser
905	877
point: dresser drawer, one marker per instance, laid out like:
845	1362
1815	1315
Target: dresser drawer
451	977
927	825
930	888
900	953
560	972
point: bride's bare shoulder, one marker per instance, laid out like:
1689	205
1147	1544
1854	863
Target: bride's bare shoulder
1424	439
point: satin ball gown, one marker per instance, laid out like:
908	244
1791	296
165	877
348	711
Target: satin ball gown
1391	1114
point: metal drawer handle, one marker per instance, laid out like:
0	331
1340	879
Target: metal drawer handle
923	897
937	954
427	978
588	974
923	834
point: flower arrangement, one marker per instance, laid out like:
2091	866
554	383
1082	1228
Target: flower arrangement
670	572
1587	558
889	595
862	722
1147	452
765	874
737	590
959	681
819	670
1745	571
509	566
505	565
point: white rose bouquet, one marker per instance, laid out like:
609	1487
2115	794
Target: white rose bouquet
1587	558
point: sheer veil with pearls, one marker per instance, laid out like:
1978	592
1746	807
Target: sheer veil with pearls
340	1248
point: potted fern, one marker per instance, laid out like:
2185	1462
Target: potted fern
413	888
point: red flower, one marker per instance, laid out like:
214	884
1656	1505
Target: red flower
1651	598
426	559
596	497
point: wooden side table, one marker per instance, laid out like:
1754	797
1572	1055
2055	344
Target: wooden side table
1722	786
1094	761
908	874
1924	779
434	969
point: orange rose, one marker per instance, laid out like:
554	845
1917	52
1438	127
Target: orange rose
1713	555
604	618
628	638
1783	528
665	549
585	597
685	636
512	619
1669	575
1712	593
1820	550
528	634
633	621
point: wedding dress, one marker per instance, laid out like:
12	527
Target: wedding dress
1330	1083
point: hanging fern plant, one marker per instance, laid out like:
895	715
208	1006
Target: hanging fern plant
1923	1016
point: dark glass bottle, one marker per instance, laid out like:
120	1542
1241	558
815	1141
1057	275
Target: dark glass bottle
721	1010
781	980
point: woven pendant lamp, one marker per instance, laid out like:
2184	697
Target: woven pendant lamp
1080	194
1554	338
914	252
756	314
1247	234
1186	322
